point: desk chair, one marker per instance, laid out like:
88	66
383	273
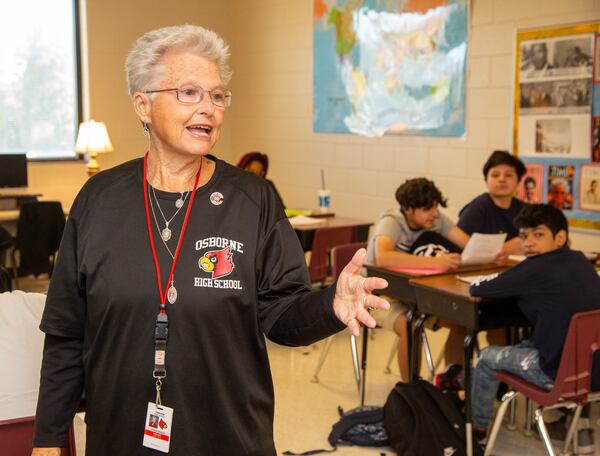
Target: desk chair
319	266
572	387
39	231
340	257
16	436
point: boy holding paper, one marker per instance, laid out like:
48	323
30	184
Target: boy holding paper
550	285
494	212
416	235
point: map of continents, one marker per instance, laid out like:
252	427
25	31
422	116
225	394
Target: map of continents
390	67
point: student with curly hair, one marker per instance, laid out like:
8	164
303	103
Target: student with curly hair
416	235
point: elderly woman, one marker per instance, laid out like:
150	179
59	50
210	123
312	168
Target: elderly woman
258	163
171	270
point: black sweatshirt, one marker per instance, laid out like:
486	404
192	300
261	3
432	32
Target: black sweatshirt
549	288
103	300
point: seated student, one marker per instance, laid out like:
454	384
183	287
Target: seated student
494	212
258	163
401	238
550	286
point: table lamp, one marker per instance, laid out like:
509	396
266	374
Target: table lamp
93	139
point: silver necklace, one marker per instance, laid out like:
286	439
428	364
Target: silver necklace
172	291
166	233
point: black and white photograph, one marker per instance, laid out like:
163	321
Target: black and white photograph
570	56
562	96
589	188
553	136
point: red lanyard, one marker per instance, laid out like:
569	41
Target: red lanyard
163	296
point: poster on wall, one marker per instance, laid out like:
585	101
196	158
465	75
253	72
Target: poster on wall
596	139
531	185
589	188
390	67
597	59
557	116
560	186
555	96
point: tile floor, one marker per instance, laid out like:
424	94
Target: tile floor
305	410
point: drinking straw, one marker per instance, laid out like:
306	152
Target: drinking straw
322	179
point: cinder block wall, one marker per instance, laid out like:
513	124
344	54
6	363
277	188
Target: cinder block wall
272	59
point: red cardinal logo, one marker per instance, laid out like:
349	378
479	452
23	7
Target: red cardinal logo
218	262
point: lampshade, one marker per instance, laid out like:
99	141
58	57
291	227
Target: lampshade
93	139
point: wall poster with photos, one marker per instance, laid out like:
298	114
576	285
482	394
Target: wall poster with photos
557	119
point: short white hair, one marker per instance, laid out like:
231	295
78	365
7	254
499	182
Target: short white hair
143	67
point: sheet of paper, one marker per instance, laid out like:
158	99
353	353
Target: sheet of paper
482	248
476	278
301	220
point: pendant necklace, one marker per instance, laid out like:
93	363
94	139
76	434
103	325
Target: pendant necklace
166	233
172	291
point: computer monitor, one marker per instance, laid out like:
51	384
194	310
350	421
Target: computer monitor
13	170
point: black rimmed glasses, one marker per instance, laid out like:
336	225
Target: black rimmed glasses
193	94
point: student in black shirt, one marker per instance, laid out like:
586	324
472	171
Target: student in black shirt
550	286
494	212
172	270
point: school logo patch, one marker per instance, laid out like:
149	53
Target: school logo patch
217	262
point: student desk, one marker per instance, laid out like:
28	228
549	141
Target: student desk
400	288
306	233
448	298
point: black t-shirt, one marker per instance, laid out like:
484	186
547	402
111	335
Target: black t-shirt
483	216
549	288
103	300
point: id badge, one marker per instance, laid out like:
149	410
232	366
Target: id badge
157	430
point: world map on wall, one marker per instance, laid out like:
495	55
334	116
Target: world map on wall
389	67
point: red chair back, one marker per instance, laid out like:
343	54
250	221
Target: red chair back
341	256
325	239
16	438
574	375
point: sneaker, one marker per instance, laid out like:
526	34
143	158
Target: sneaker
557	431
585	441
449	379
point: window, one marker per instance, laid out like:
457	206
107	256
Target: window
40	104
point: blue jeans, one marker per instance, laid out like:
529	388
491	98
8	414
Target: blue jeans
521	359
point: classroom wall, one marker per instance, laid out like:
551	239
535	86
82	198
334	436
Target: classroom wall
272	49
271	44
112	27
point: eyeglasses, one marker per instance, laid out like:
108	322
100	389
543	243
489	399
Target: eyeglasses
194	94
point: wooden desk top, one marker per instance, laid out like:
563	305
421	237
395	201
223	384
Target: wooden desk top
332	222
450	285
414	273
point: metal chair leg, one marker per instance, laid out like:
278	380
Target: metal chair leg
315	378
512	417
392	355
572	433
355	362
539	421
528	429
428	357
507	399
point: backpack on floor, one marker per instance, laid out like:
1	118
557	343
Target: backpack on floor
362	426
421	420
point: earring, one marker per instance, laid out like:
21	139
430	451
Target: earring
145	129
